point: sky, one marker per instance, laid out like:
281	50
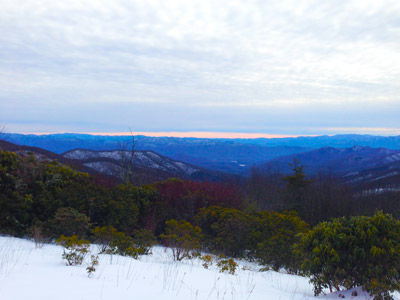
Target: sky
272	68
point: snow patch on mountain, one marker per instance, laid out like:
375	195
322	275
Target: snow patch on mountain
118	159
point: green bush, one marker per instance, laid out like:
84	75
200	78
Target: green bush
103	237
75	249
183	238
275	234
123	245
144	239
68	221
227	265
111	241
356	251
226	230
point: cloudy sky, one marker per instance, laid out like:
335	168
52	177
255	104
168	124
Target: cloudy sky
273	67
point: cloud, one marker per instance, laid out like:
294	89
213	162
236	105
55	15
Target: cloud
290	58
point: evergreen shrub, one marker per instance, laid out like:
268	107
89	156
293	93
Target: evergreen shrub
75	249
350	252
275	234
111	241
183	238
227	265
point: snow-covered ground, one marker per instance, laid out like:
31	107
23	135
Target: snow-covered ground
30	273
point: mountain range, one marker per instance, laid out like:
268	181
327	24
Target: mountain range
356	165
230	156
63	142
147	166
227	155
357	159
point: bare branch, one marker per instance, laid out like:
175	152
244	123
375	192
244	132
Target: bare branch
127	154
2	131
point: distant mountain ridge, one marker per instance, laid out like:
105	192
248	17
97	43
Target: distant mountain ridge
336	141
43	154
148	166
336	154
217	154
62	142
356	165
144	162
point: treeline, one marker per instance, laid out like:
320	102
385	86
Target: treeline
268	218
50	197
35	192
316	199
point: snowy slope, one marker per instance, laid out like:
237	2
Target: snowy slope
148	162
30	273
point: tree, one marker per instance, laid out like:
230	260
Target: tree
265	189
182	199
2	131
127	155
296	185
328	197
350	252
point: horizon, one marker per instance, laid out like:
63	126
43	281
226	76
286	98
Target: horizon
200	135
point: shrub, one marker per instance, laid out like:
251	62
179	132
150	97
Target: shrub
68	221
103	237
111	241
356	251
183	238
144	239
226	230
275	235
75	249
123	245
207	261
227	265
36	232
94	262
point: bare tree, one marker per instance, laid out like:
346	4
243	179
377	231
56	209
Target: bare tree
2	132
126	157
266	189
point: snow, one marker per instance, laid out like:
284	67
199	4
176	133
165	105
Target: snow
351	174
185	168
394	157
141	158
33	273
80	154
349	294
393	173
104	167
